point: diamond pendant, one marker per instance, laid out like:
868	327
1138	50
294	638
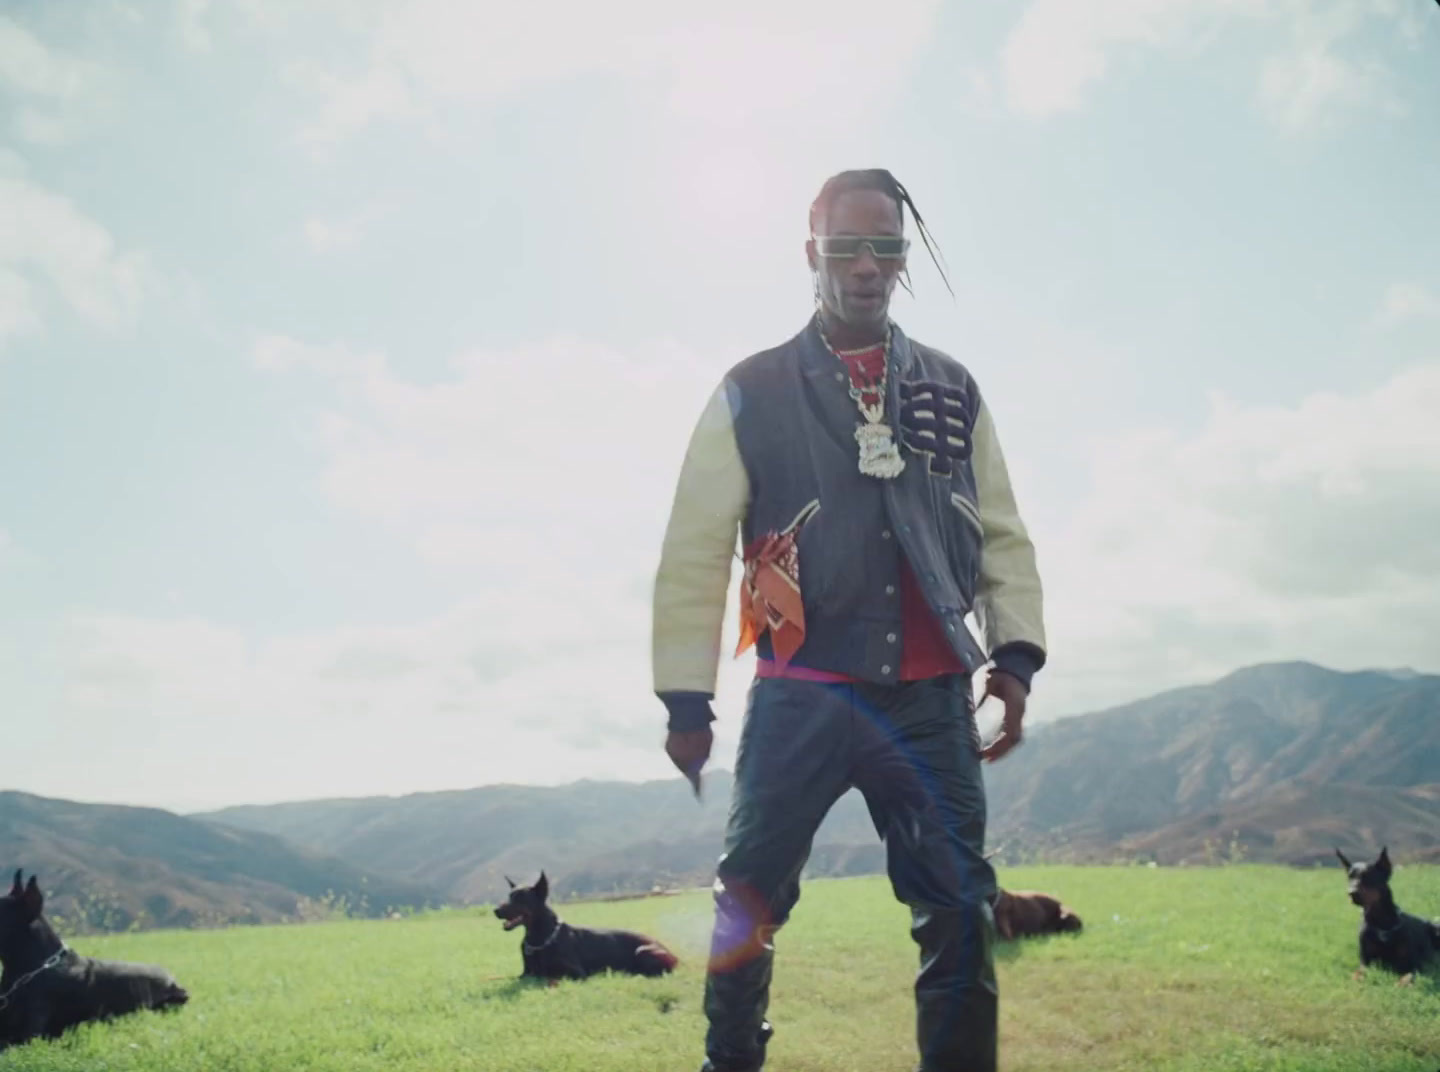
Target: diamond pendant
878	454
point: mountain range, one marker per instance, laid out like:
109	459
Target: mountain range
1287	760
1280	762
110	867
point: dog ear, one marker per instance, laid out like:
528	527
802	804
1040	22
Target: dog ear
1343	861
18	890
542	888
1383	861
511	881
33	899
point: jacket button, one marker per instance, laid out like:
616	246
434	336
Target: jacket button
890	637
885	534
885	670
889	589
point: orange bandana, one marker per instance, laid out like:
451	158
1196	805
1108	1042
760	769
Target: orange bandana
770	590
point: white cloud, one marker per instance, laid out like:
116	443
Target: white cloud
324	236
49	91
334	233
1408	301
544	687
1061	49
349	104
30	67
1274	532
17	306
286	19
433	52
522	457
41	128
1312	84
536	482
190	24
1300	89
44	236
280	353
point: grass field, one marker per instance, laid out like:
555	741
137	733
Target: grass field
1227	968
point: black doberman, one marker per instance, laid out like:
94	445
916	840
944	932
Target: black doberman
1388	937
556	950
47	988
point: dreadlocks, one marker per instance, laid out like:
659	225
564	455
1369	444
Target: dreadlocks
876	179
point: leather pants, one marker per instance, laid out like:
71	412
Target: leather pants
913	751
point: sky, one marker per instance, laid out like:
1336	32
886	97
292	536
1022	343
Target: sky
348	353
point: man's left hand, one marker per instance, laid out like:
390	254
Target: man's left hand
1009	691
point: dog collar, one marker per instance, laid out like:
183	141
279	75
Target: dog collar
546	943
55	959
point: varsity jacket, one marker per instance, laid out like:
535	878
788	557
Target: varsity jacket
776	444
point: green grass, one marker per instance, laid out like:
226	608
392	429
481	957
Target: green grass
1233	968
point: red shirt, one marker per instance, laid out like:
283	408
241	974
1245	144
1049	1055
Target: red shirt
925	652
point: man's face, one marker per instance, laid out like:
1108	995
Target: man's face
856	289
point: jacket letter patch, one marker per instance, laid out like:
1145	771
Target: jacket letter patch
934	421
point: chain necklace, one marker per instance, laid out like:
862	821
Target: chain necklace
879	456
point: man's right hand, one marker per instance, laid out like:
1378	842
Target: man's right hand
689	751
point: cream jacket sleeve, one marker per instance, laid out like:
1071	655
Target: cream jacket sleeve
693	579
1009	604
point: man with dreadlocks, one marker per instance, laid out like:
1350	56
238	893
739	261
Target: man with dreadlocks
863	472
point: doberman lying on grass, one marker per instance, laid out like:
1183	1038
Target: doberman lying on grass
1388	937
47	988
1024	914
555	950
